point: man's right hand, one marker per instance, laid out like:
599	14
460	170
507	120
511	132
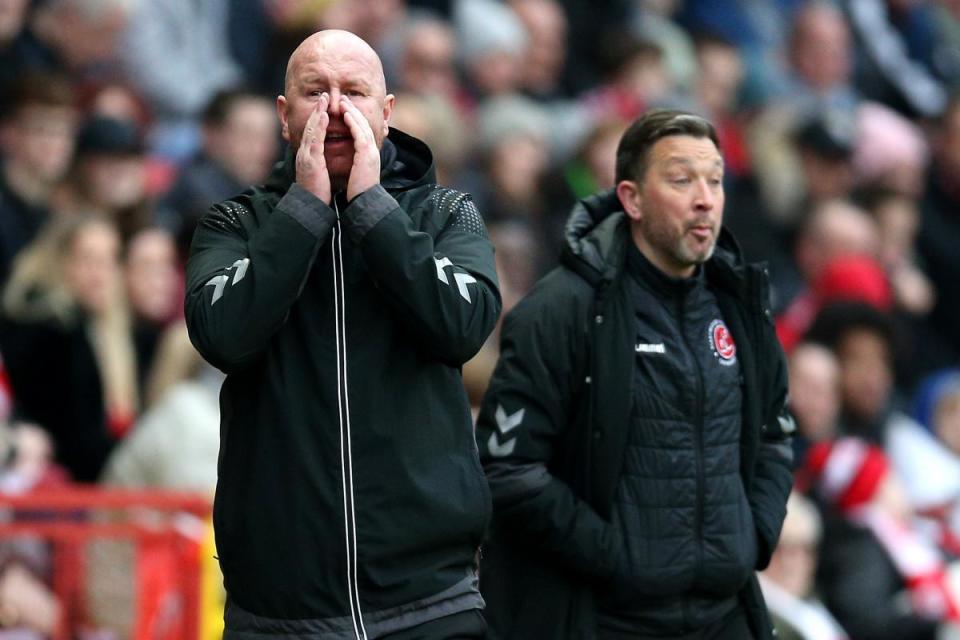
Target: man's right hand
311	166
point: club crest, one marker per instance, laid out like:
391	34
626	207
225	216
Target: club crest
721	343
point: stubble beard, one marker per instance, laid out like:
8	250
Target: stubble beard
674	246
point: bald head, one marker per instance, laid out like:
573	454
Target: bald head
835	228
324	44
341	65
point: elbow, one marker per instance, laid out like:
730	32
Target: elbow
456	341
223	348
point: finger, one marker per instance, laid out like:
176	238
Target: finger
314	131
359	127
324	116
322	123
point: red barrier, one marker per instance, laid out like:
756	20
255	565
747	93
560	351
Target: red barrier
165	527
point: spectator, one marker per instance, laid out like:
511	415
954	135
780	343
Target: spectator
590	169
898	222
821	58
825	144
891	151
66	328
154	288
880	577
513	138
29	609
81	37
175	443
37	128
240	145
191	40
542	70
937	407
433	119
654	21
493	41
633	78
427	57
814	395
108	176
788	583
887	70
834	230
759	31
864	341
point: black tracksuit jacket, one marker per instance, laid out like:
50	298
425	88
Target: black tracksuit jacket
350	502
554	427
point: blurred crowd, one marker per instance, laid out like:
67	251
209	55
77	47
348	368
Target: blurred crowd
121	121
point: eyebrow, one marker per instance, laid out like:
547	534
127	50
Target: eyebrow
353	83
674	160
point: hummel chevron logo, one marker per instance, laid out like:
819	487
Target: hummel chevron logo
787	424
219	282
462	279
505	424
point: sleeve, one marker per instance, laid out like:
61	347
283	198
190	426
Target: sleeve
885	47
242	280
773	474
183	83
445	289
529	406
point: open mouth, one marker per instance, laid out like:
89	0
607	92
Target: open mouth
337	138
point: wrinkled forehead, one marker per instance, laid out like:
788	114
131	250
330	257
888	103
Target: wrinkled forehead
686	150
344	56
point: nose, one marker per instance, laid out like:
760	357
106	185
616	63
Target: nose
334	107
704	198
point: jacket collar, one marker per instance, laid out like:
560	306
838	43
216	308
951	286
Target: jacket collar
650	277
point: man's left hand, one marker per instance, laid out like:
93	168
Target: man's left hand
365	172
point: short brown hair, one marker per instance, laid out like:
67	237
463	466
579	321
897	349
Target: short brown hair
36	88
634	149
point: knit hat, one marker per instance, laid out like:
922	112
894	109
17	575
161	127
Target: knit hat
932	391
505	117
487	26
846	472
102	135
886	142
830	134
859	278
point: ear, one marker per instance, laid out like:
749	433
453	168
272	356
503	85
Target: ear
387	112
282	114
628	192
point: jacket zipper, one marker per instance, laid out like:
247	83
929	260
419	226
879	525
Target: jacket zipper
698	427
343	407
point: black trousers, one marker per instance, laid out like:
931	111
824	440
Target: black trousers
733	626
466	625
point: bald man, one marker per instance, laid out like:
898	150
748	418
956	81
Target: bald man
341	298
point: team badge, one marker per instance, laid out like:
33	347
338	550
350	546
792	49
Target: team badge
721	343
